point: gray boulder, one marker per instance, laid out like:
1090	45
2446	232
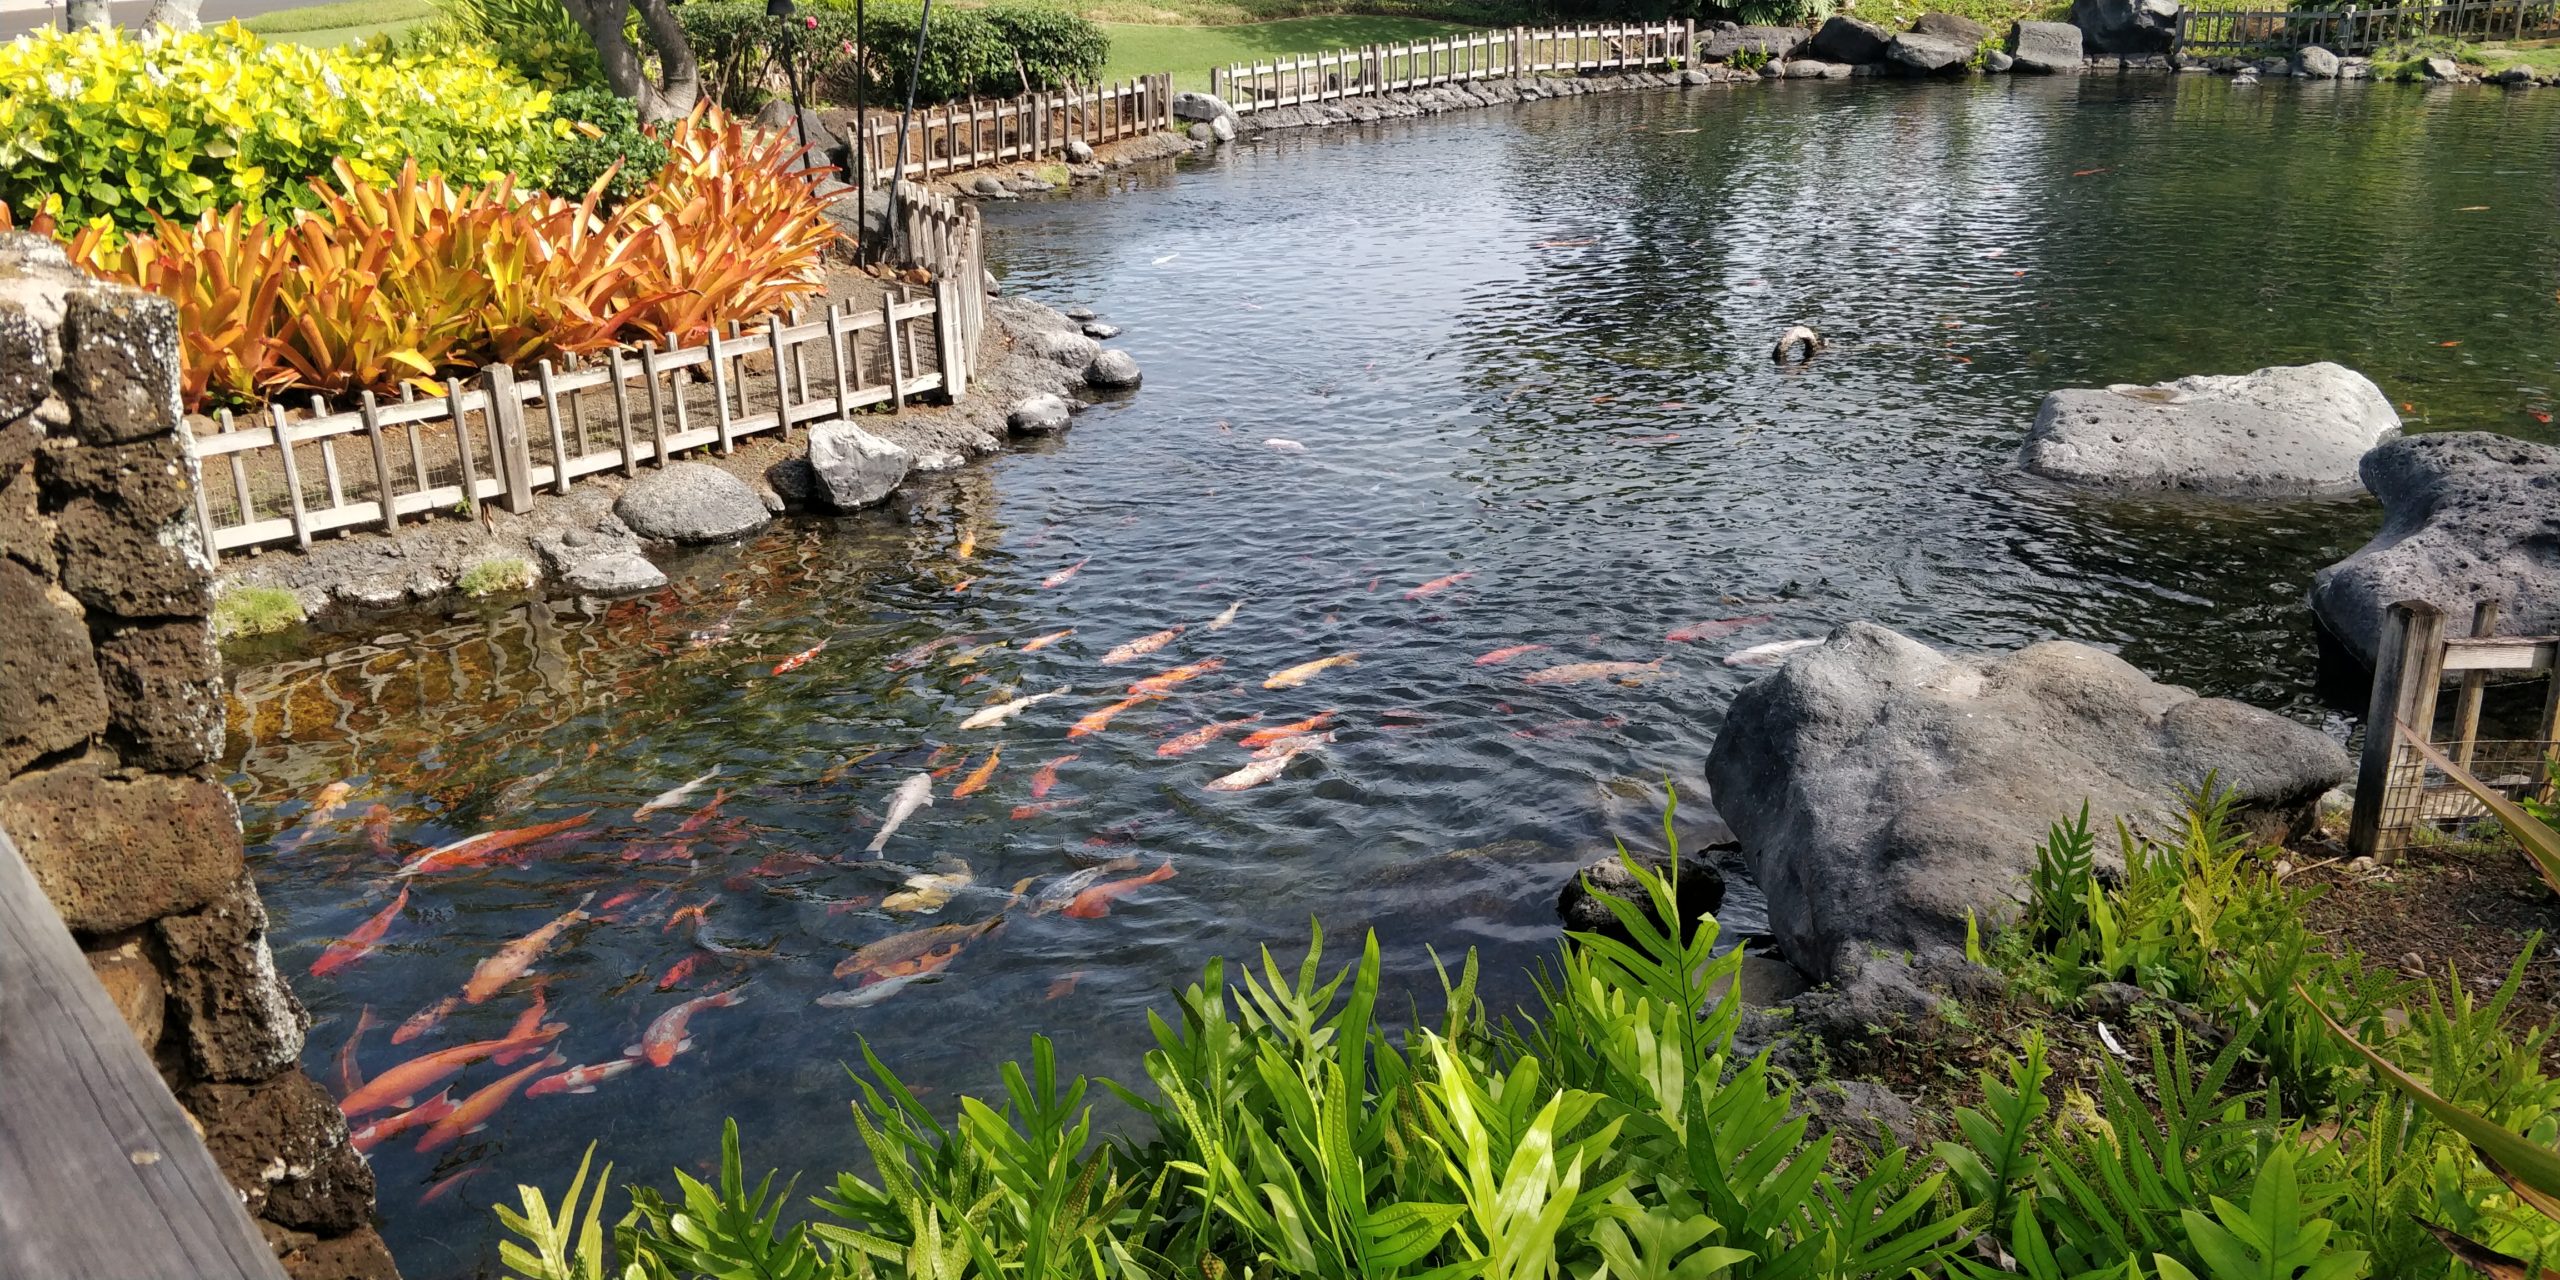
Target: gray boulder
1848	40
1099	330
1112	370
1200	106
2466	516
1040	415
1223	128
2046	48
1883	791
1928	54
855	468
1079	151
1066	347
1998	61
614	573
2444	70
987	184
2316	63
792	481
1811	69
1579	905
690	502
2290	431
1723	40
2126	26
1952	26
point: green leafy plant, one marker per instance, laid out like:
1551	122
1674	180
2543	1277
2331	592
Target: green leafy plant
536	39
1053	46
604	143
102	125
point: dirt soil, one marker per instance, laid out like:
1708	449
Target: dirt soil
2469	904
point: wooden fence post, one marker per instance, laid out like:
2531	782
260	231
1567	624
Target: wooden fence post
2408	662
897	367
781	380
506	422
292	478
2466	708
559	439
371	410
946	341
462	447
622	412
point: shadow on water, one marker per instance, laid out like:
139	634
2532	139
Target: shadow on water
1528	347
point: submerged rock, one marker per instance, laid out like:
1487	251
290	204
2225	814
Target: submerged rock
2316	63
855	468
690	502
1884	792
2467	516
1580	905
614	573
2295	430
2046	48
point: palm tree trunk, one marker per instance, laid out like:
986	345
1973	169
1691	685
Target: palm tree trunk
87	13
177	15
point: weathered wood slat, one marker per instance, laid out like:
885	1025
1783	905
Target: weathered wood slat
101	1177
2501	653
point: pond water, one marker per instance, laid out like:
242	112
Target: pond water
1522	356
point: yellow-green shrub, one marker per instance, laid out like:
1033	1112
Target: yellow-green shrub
121	126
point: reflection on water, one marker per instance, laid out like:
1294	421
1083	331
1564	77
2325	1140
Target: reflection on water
1528	347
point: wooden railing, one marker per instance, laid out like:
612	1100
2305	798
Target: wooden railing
2355	30
1035	126
2411	661
1387	68
282	476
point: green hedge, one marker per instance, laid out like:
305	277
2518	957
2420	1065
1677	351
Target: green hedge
986	52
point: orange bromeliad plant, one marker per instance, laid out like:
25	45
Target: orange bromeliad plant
415	278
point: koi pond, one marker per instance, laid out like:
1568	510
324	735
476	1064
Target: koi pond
1463	405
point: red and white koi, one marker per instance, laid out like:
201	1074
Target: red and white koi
513	959
1221	622
425	1020
1265	737
1507	653
1064	576
367	1137
1714	629
1095	903
580	1079
482	849
1580	672
666	1036
1037	643
800	659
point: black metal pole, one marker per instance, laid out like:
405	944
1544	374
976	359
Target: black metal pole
861	133
915	68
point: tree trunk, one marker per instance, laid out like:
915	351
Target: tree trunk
87	13
626	72
176	15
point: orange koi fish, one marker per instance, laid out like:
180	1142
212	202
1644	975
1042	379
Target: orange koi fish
1187	671
350	1075
1305	671
666	1036
977	779
968	544
1204	735
800	659
323	807
677	973
1507	653
1064	984
513	959
1437	585
581	1079
915	952
403	1084
377	829
450	1181
527	1025
1061	577
1266	737
1095	903
1713	630
1037	643
425	1020
473	1115
1096	722
361	940
1141	647
1022	812
1047	777
482	849
1578	672
385	1129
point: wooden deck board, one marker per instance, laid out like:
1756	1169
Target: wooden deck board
100	1173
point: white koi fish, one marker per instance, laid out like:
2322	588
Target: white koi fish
1767	655
913	794
990	717
670	799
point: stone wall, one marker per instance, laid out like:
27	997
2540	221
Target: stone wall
110	725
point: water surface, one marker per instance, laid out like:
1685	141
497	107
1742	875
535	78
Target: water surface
1526	346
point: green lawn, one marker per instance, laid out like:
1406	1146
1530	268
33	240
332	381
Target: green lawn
2541	55
1139	48
335	24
